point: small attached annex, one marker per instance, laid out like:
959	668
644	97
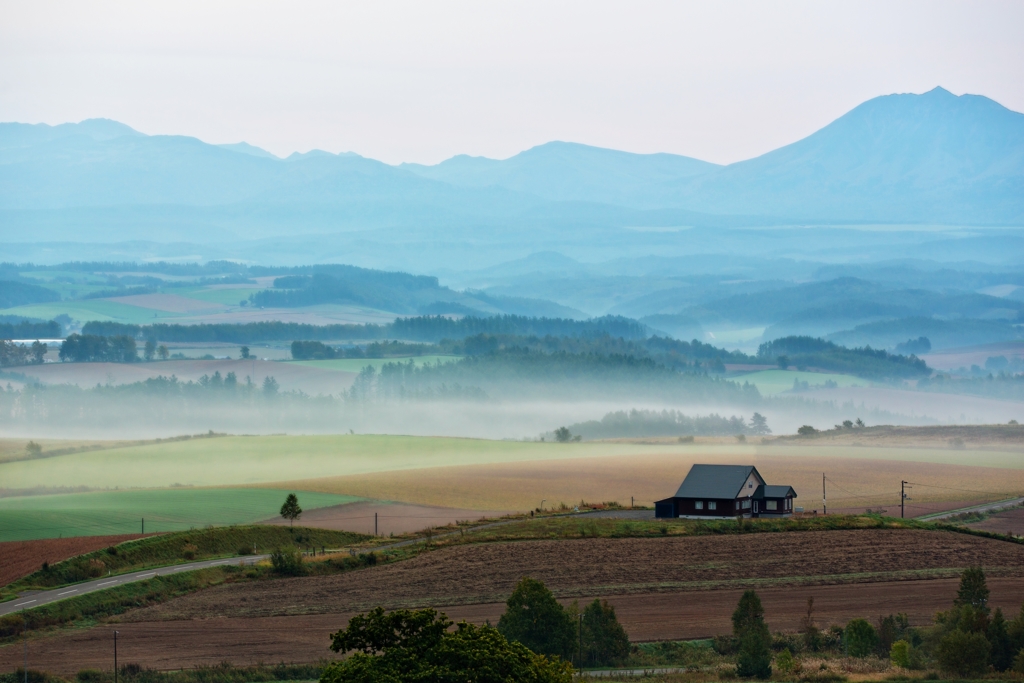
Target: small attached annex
716	491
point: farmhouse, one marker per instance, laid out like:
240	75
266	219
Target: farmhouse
715	491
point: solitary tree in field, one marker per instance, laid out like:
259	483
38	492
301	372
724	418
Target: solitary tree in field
150	350
291	510
163	352
244	352
563	435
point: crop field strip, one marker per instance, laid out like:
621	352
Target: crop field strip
110	512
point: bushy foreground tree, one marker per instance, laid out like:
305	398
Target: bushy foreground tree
291	510
754	658
418	646
534	618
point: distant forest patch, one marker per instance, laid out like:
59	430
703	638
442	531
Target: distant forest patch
645	423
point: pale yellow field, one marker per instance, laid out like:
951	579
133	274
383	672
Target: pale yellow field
854	482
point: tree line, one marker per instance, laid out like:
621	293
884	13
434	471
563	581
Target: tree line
642	423
537	639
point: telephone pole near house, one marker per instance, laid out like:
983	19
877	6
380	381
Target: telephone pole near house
824	499
903	496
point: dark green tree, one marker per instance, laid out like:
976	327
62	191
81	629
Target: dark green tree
998	636
973	589
605	642
534	618
291	510
163	352
783	362
563	435
244	353
419	646
754	657
963	653
149	350
861	638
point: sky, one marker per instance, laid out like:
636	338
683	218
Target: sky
423	81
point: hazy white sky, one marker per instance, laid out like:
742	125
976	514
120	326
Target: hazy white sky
421	81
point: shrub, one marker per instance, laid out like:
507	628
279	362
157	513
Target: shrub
861	638
899	654
963	653
287	562
786	663
189	551
95	568
245	550
1018	662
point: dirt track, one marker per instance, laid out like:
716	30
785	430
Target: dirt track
174	644
21	558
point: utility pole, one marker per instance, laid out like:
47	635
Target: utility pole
903	496
143	526
374	523
115	656
824	499
631	502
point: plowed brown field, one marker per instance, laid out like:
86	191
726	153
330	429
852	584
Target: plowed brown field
482	573
21	558
662	588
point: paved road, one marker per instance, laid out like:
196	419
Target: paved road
31	599
987	507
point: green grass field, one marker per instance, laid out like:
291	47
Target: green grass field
91	309
227	297
122	512
357	364
772	382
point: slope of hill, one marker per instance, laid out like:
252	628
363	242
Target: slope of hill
899	158
567	171
931	157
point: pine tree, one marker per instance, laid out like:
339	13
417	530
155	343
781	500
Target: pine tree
750	629
973	589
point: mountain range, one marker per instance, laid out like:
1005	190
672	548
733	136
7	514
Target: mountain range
929	158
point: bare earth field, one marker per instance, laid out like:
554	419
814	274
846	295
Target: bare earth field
392	518
290	376
663	588
170	303
21	558
1010	521
1000	436
952	359
857	483
481	573
665	616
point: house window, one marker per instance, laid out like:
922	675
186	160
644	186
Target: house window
771	505
789	503
699	504
750	484
737	505
712	505
746	504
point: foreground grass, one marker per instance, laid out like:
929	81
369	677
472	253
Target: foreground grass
186	546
